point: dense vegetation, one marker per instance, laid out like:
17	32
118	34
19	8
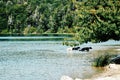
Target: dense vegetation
88	20
103	60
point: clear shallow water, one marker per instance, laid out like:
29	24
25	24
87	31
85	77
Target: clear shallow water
41	60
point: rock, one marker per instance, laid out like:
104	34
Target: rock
115	60
66	78
78	79
113	66
104	78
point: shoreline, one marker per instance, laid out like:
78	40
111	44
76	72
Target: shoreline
111	72
38	34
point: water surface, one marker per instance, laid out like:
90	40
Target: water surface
44	60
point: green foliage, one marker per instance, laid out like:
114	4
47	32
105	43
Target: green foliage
103	60
89	20
98	21
32	30
4	31
29	30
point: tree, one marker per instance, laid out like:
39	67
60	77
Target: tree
88	20
99	22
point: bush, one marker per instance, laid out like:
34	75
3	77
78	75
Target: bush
30	29
103	60
4	31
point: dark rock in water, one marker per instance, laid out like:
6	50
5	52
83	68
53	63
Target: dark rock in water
85	49
115	60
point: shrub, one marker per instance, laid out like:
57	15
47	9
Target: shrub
4	31
103	60
30	29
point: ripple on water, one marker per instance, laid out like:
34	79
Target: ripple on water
42	60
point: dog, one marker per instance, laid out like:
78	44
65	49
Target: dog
75	48
85	49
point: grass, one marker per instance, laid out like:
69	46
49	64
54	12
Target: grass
103	60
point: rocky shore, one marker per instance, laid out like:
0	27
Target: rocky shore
111	72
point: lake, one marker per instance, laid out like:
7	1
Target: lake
47	59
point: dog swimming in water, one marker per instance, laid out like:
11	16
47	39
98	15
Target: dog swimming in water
85	49
79	49
73	48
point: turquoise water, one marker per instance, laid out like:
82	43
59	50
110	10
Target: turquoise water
34	38
41	60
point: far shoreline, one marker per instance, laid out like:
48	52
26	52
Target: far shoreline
38	34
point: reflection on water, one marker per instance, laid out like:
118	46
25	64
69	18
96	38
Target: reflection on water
45	60
34	38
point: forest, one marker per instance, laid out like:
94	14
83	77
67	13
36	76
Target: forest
87	20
